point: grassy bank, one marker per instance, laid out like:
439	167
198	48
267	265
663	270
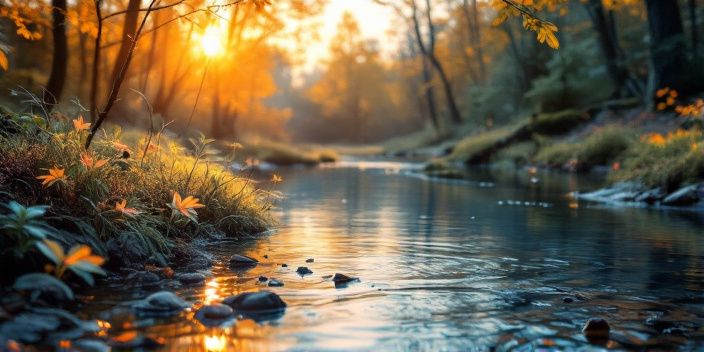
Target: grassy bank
283	154
132	203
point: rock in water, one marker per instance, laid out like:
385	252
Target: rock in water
191	278
276	283
596	328
163	303
240	261
256	302
263	279
303	270
684	196
343	279
214	314
310	260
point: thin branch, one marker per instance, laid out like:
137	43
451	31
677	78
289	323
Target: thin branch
157	8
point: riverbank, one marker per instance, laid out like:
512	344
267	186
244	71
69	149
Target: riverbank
661	154
133	204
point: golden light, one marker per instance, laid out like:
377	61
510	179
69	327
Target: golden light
213	41
215	343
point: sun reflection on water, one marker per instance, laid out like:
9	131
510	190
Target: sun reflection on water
215	343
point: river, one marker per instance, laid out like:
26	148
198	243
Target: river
504	260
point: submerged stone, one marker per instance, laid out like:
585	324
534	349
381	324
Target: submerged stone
263	279
596	328
256	302
240	261
343	279
214	314
310	260
276	283
303	270
684	196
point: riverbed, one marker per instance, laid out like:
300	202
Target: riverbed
503	260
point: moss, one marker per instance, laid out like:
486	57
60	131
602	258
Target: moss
557	122
517	154
556	154
603	146
278	153
469	147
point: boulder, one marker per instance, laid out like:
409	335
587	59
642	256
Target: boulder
214	314
303	270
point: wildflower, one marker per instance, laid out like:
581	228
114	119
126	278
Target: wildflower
655	139
616	166
55	175
88	161
121	207
64	344
661	106
187	207
79	259
694	146
276	178
235	146
662	92
80	125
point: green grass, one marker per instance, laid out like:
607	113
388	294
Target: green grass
557	122
675	161
285	154
603	146
84	203
470	146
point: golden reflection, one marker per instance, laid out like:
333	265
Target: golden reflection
215	343
212	292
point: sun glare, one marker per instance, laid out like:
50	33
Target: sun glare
212	41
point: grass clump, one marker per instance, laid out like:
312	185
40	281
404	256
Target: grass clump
469	147
286	154
666	161
153	193
557	122
603	146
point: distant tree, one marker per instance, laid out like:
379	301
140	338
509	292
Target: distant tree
668	47
59	61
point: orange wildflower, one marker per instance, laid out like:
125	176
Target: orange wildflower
55	175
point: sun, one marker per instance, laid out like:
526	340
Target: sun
212	41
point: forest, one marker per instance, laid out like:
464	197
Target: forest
175	148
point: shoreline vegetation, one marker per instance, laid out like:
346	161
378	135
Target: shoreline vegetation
132	202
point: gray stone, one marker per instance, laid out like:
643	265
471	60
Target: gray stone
650	196
214	314
161	303
343	279
276	283
143	278
256	302
241	261
191	278
684	196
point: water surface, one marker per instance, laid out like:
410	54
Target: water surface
450	265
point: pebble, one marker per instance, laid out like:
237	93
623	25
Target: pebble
263	301
191	278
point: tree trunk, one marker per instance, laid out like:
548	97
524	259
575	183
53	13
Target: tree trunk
96	65
692	4
430	94
610	49
57	78
129	28
83	73
667	46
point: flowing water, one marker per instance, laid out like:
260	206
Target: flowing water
504	261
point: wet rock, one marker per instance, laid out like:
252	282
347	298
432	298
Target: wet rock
303	270
263	279
191	259
276	283
568	300
162	303
310	260
240	261
682	197
266	256
326	277
343	279
284	265
126	251
191	278
143	278
596	328
91	345
214	314
650	196
256	302
45	324
138	342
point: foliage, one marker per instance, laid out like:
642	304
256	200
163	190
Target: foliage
666	161
23	226
120	189
603	146
572	80
79	260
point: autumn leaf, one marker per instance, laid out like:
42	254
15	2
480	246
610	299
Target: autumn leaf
122	208
186	207
90	163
